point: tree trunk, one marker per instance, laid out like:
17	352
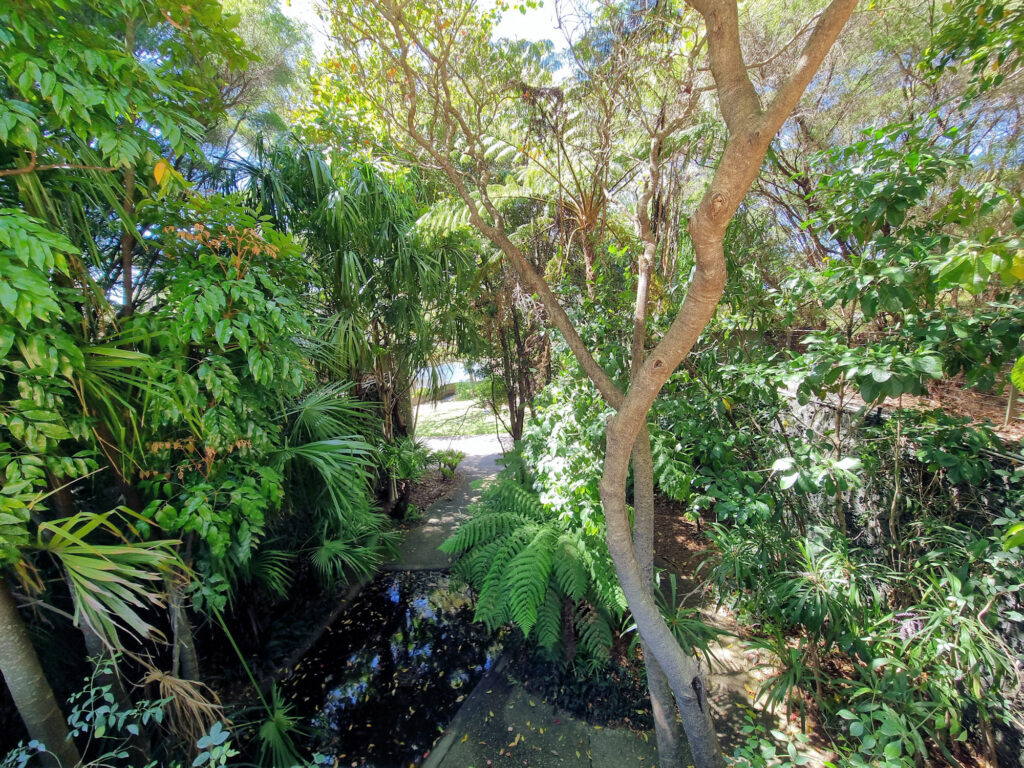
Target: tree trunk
185	663
29	687
682	672
403	400
667	728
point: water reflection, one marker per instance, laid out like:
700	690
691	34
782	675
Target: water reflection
385	679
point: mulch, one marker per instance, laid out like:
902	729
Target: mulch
432	488
679	539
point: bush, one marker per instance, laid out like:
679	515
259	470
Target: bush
537	569
447	461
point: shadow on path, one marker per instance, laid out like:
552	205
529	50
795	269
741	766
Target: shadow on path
419	549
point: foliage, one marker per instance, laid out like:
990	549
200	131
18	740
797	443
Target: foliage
38	362
539	570
447	461
277	732
761	746
389	290
77	73
405	459
985	36
113	585
97	717
914	621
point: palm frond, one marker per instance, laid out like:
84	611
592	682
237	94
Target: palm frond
112	584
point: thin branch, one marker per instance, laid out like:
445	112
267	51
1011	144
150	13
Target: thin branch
34	166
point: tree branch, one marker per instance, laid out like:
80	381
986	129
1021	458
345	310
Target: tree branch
34	166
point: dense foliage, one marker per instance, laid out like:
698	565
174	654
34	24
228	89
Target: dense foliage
226	270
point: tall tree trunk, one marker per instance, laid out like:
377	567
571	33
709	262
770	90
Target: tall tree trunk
667	727
29	687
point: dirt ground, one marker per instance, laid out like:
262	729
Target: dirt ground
432	488
979	407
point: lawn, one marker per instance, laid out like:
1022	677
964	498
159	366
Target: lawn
455	417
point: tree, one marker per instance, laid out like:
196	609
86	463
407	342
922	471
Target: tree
388	287
29	687
441	88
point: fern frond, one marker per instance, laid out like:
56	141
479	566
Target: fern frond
570	568
528	576
595	632
549	619
492	605
482	529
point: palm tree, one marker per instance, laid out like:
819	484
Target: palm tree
389	289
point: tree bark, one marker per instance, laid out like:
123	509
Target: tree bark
185	663
667	727
30	689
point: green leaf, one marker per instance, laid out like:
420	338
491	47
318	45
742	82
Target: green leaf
1016	374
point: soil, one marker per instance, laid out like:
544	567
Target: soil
432	488
616	698
680	545
951	397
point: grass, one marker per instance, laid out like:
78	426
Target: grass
472	390
454	417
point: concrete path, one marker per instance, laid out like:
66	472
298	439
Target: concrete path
501	725
419	549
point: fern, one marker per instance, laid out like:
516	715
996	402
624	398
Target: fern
482	529
570	567
492	606
473	567
549	619
524	561
595	632
528	576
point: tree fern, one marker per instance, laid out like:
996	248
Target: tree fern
570	567
526	562
527	578
482	529
548	632
595	632
492	605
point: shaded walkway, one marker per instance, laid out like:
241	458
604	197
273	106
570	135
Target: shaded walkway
419	549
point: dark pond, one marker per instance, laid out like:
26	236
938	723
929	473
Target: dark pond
385	679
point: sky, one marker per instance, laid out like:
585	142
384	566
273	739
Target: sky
535	24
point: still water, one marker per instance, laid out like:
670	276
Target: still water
382	683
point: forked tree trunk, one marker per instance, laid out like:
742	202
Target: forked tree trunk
750	129
30	689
